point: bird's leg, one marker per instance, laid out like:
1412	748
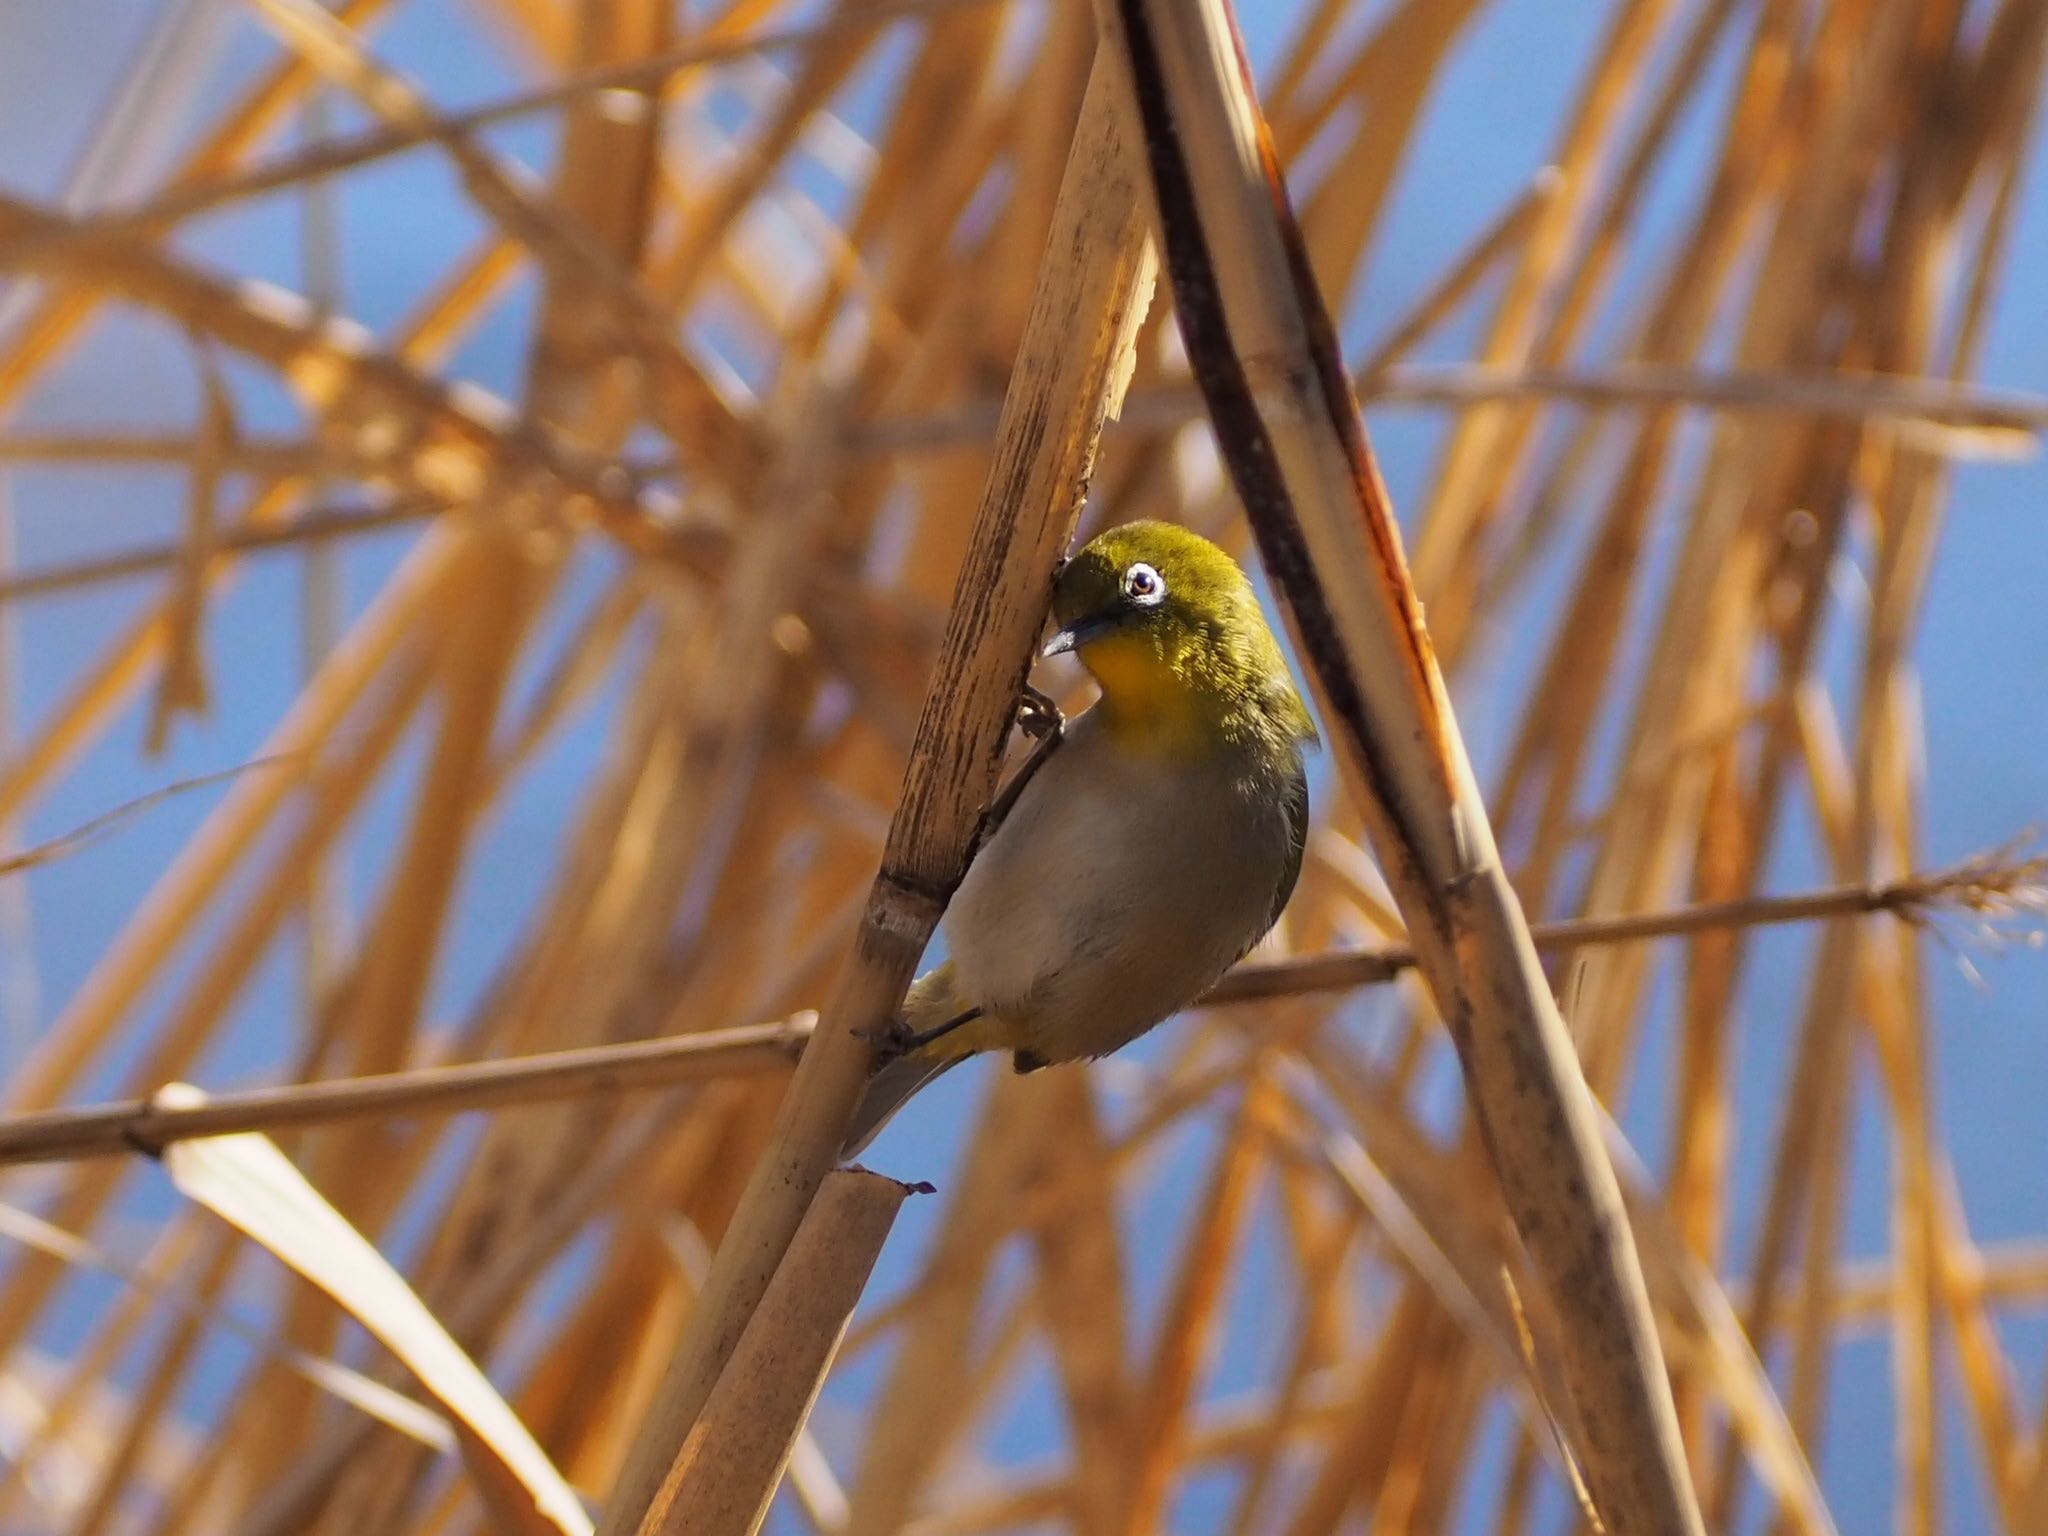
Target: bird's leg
1040	720
893	1040
919	1039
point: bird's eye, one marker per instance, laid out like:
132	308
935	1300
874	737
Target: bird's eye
1143	585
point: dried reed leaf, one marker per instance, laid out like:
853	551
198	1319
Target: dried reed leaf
248	1183
331	1376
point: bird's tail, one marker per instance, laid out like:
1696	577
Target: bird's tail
887	1092
931	1002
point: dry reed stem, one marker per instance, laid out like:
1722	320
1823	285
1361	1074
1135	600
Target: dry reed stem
650	71
333	369
248	1183
87	710
1997	890
1076	1250
1657	380
1261	346
1960	422
150	1127
1071	369
1188	1325
925	1403
726	1473
246	538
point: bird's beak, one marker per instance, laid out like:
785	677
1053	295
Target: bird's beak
1081	632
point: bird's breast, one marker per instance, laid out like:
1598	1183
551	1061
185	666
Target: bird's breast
1119	887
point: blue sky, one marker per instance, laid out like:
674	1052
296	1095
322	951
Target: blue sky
1982	648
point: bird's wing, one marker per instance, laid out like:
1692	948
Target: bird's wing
1297	842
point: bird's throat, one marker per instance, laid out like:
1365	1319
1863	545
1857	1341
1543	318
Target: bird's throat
1151	707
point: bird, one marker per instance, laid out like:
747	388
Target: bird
1148	853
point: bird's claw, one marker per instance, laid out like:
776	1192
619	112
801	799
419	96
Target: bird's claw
889	1039
1038	717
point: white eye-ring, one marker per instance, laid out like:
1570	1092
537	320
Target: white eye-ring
1143	585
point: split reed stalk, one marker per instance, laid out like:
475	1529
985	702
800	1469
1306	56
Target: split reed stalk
1071	369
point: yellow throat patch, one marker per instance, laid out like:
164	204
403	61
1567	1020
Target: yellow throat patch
1149	705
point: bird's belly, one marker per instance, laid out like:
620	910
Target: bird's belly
1112	896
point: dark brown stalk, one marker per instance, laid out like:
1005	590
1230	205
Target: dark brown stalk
1261	347
1992	890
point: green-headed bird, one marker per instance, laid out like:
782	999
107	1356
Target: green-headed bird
1154	848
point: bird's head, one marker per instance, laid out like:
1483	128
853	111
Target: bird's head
1171	630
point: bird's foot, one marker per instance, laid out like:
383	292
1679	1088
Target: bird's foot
1042	723
896	1038
1038	717
890	1040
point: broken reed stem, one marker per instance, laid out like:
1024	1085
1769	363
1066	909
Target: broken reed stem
726	1473
1261	346
1990	886
1072	365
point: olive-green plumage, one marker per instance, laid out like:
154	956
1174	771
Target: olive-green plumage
1154	848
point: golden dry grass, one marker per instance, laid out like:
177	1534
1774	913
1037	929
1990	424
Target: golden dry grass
721	520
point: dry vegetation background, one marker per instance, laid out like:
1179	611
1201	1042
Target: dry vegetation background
575	713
